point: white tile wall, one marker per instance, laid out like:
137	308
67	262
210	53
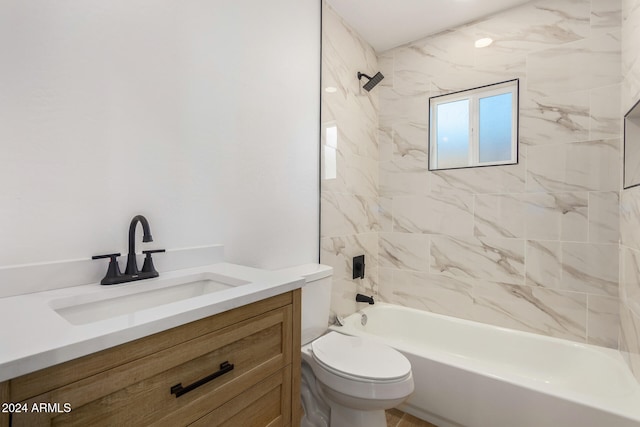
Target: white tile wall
536	243
532	246
630	198
351	213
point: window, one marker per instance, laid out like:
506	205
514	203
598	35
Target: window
475	127
330	151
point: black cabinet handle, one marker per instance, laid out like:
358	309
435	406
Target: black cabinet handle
178	390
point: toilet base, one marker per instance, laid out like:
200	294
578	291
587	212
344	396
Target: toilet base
349	411
357	404
342	416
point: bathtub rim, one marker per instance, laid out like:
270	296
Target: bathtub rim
623	406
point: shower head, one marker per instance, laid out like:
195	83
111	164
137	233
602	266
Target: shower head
373	81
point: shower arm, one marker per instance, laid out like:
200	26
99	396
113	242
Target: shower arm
373	81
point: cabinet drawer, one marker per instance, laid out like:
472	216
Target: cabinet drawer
140	392
265	404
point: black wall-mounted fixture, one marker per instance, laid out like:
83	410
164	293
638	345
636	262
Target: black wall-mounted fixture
364	298
358	267
373	81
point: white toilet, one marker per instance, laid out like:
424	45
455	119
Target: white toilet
346	381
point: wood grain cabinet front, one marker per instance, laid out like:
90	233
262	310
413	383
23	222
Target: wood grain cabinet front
234	368
265	404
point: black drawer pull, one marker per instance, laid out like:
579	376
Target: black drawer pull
178	390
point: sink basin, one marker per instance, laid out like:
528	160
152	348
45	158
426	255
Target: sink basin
80	311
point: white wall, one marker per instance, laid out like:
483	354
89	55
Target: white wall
201	115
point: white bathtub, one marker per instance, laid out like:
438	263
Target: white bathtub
476	375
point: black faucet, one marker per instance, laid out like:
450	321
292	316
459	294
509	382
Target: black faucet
131	273
364	298
132	262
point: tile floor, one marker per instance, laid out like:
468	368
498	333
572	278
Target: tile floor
397	418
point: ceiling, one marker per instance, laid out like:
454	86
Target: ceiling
385	24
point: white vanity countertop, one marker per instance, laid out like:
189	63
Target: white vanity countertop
34	336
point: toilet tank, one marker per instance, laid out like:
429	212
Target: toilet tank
316	298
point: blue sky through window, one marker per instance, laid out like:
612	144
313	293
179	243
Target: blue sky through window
453	134
495	128
474	127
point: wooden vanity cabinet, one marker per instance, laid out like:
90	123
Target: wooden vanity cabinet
249	355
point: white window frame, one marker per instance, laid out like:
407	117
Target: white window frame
474	95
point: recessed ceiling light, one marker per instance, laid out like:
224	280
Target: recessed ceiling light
484	42
330	89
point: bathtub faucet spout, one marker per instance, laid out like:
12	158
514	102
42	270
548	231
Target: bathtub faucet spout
364	298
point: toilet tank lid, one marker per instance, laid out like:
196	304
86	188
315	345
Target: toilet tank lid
309	272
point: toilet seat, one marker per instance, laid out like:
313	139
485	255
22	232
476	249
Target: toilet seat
360	359
354	376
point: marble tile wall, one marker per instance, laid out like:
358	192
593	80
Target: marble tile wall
349	162
532	246
630	198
